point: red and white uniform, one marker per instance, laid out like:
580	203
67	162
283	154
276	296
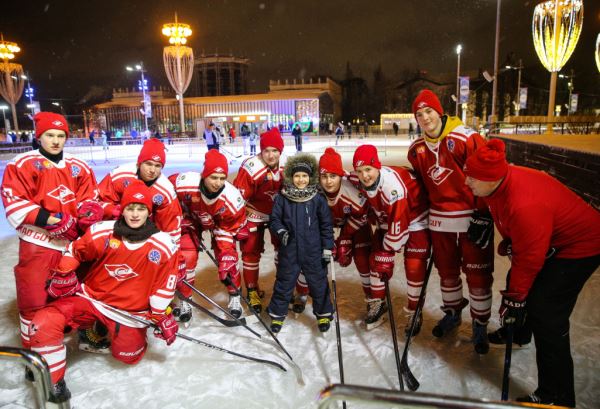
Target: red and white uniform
258	185
139	278
32	182
401	210
166	212
227	212
439	164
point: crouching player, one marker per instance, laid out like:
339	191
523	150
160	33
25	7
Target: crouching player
211	203
134	269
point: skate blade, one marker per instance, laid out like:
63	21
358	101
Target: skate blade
514	346
100	351
376	324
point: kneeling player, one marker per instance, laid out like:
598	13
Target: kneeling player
134	269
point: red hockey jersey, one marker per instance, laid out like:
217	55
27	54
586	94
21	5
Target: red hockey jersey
440	163
136	277
258	185
166	212
349	208
400	205
31	182
227	211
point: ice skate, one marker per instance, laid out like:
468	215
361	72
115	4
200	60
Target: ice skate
276	325
183	313
235	306
254	299
376	309
92	341
324	324
299	303
480	339
409	317
451	321
59	392
521	338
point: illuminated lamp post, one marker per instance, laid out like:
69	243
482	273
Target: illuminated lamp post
11	76
597	54
556	28
458	50
143	87
179	61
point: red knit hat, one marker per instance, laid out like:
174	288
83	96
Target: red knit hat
366	155
153	149
271	139
427	98
49	120
137	192
331	162
488	163
214	162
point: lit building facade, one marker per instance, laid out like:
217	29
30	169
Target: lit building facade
217	75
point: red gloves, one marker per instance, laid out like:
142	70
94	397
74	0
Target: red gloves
166	328
63	284
343	251
243	233
206	221
116	212
181	269
65	229
228	260
89	213
382	264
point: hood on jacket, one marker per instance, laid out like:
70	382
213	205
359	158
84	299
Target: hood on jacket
301	158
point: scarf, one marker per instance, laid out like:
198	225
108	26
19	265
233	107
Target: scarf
299	195
140	234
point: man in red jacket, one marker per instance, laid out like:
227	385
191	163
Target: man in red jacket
553	237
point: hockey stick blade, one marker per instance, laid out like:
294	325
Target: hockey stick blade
250	319
409	379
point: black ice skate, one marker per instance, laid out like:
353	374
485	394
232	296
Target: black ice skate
92	341
521	338
183	313
299	303
480	339
409	317
451	320
254	299
235	306
59	392
376	309
324	324
276	325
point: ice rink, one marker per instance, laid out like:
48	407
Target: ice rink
187	375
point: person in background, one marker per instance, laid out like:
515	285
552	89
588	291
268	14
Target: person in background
211	137
297	133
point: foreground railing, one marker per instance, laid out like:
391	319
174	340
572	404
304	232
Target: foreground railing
391	398
41	373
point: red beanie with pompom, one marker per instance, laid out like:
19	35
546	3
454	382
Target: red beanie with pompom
271	139
137	192
331	162
153	149
366	155
488	163
427	98
214	162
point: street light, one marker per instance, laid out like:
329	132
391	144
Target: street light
570	86
597	53
4	108
11	83
496	52
458	50
517	101
140	67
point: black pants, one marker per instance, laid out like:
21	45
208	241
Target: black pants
298	143
549	305
215	146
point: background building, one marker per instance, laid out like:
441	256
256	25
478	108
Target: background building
216	75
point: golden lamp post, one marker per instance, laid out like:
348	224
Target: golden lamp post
556	29
179	61
11	76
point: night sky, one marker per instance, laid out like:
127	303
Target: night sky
77	50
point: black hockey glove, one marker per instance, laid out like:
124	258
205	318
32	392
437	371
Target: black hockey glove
512	311
481	230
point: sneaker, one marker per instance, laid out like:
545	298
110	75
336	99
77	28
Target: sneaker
254	300
376	309
235	306
521	338
480	339
299	303
183	313
59	392
91	341
409	318
276	325
324	324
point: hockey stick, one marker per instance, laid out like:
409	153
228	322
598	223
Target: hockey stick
225	322
510	328
394	335
230	153
207	298
179	335
337	326
411	382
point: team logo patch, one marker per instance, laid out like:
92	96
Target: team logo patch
438	174
347	209
120	272
126	183
139	196
239	199
195	199
47	164
75	171
450	144
63	194
359	163
219	169
394	193
221	210
58	123
420	149
421	104
38	165
114	243
158	199
156	158
154	256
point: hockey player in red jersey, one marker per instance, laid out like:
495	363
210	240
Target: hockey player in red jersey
438	157
212	203
259	179
134	268
400	205
43	192
554	242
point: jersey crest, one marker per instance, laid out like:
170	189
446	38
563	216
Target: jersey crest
63	194
438	174
75	171
450	144
154	256
158	199
120	272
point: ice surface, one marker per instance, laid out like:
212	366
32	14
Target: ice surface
186	375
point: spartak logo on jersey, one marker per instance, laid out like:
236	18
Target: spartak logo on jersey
120	272
438	173
57	123
63	194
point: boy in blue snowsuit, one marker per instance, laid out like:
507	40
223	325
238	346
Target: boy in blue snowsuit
302	221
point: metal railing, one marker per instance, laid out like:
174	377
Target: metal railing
37	365
365	394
